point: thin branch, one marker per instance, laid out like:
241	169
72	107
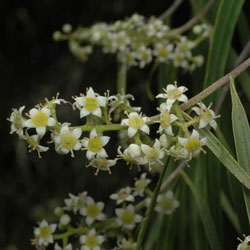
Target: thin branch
193	20
168	12
243	55
173	175
219	83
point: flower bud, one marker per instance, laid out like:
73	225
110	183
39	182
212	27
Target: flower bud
134	150
65	219
58	211
164	140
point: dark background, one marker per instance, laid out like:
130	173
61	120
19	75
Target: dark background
32	67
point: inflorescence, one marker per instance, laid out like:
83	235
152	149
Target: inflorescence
137	42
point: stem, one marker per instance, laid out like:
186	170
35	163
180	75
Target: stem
173	175
121	76
192	21
149	211
151	73
219	83
168	12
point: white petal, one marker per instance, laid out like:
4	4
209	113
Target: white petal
133	114
41	130
145	129
92	232
203	141
182	89
119	212
104	140
64	130
138	218
100	239
145	148
28	123
195	134
125	122
64	150
85	143
33	112
183	98
77	146
77	132
91	93
43	223
213	124
102	153
89	220
113	196
182	141
90	154
173	118
93	133
202	123
80	100
53	228
170	87
97	112
131	208
51	121
169	130
196	110
46	111
101	101
100	205
84	112
131	131
162	96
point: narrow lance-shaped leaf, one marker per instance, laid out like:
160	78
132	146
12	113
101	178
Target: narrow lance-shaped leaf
205	215
241	133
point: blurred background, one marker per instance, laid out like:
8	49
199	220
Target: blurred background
33	67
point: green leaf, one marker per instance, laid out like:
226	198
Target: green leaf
241	133
225	157
226	19
205	215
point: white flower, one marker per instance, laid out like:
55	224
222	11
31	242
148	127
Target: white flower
68	247
44	233
172	94
206	114
75	203
90	104
33	144
127	218
40	119
193	145
144	55
95	144
141	184
102	164
91	240
179	61
65	219
244	245
17	121
184	47
125	245
122	195
120	40
139	160
68	140
166	203
92	210
166	119
153	154
163	52
135	122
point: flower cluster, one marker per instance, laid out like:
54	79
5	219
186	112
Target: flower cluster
176	138
137	41
83	222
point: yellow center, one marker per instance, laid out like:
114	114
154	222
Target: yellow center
174	94
91	104
166	204
165	119
17	121
92	241
152	154
163	52
145	56
121	40
135	122
127	218
183	47
95	144
129	159
45	232
206	115
92	211
193	145
68	141
40	119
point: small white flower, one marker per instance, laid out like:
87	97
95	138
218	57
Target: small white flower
17	121
44	233
68	247
68	140
92	210
141	184
122	195
135	122
125	245
153	154
129	57
65	219
40	119
94	145
184	47
244	244
33	144
120	40
127	218
90	104
91	240
75	203
172	94
206	114
166	203
144	55
166	119
193	145
102	164
163	52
